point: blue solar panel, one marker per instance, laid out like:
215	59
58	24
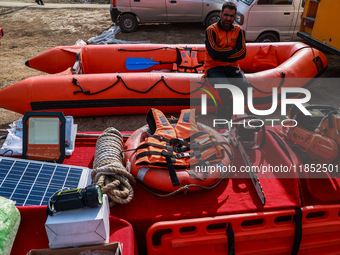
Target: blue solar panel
32	182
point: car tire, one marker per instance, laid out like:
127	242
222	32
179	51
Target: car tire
212	18
128	23
268	37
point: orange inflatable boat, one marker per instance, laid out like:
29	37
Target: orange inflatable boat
103	94
297	58
129	79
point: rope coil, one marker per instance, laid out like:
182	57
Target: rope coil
108	169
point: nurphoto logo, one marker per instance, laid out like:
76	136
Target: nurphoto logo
239	105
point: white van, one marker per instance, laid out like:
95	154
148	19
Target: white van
269	20
129	13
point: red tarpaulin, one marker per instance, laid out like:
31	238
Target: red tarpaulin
232	196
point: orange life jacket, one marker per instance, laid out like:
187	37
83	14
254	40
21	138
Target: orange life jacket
177	147
187	61
321	145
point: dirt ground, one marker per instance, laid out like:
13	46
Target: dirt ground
29	32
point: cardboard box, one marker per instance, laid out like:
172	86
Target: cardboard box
86	226
114	247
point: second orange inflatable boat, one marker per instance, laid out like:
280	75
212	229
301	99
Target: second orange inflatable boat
298	58
129	79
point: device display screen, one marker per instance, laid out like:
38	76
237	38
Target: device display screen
43	130
44	136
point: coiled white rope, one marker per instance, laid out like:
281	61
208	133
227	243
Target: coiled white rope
108	169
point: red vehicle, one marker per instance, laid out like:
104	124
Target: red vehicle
1	33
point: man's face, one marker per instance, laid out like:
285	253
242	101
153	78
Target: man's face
227	18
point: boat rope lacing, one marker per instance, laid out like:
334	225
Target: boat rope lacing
144	50
108	169
304	47
119	78
283	75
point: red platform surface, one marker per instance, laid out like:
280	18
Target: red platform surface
318	187
232	196
32	233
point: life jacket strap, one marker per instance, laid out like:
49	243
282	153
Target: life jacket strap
171	168
146	145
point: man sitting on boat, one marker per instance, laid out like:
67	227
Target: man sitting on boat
225	45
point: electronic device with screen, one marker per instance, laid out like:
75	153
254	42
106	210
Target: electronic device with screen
44	136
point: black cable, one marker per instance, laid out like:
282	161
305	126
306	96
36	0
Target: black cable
283	75
3	154
24	7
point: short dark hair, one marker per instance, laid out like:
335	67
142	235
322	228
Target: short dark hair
229	5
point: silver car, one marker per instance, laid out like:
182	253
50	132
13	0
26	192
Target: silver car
129	13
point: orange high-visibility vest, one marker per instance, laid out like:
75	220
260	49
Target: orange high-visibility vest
223	41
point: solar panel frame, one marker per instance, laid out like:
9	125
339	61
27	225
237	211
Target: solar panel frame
30	182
